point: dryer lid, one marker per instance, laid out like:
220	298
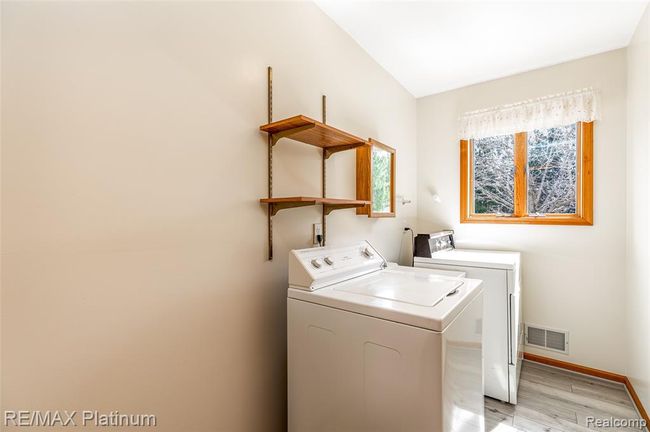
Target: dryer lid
473	258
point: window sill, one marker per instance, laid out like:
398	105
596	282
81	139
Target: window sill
529	220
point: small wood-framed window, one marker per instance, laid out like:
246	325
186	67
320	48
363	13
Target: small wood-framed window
543	176
376	179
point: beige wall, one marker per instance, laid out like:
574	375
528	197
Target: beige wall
134	272
573	276
638	217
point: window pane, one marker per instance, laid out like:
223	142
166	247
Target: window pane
381	167
552	170
494	174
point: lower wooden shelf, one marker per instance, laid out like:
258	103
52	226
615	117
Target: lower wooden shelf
329	204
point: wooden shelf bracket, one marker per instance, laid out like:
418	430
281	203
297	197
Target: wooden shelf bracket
275	137
329	208
331	150
276	207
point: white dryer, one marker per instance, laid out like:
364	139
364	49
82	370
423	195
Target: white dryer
503	325
374	349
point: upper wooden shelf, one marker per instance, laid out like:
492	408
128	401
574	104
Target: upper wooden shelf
329	204
312	132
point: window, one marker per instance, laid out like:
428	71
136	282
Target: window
543	176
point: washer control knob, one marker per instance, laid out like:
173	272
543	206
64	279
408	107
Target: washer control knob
315	263
328	261
367	253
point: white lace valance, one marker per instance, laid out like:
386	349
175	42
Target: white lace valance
555	110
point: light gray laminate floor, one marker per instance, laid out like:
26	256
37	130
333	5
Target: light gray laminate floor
554	400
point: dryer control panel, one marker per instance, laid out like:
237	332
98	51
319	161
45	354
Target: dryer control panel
314	268
426	244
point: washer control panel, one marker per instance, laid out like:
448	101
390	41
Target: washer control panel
317	267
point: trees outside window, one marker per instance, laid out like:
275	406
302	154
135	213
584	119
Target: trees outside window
542	176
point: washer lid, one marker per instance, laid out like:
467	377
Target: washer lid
474	258
421	289
421	299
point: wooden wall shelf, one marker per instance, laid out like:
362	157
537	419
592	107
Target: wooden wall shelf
309	131
329	204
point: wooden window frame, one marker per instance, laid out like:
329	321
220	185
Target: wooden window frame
364	178
584	185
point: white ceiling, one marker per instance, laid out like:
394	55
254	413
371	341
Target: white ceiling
431	47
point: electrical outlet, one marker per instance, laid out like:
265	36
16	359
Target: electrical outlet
317	231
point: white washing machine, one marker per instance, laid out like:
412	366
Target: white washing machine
374	349
503	331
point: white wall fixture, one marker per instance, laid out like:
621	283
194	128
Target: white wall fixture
404	200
